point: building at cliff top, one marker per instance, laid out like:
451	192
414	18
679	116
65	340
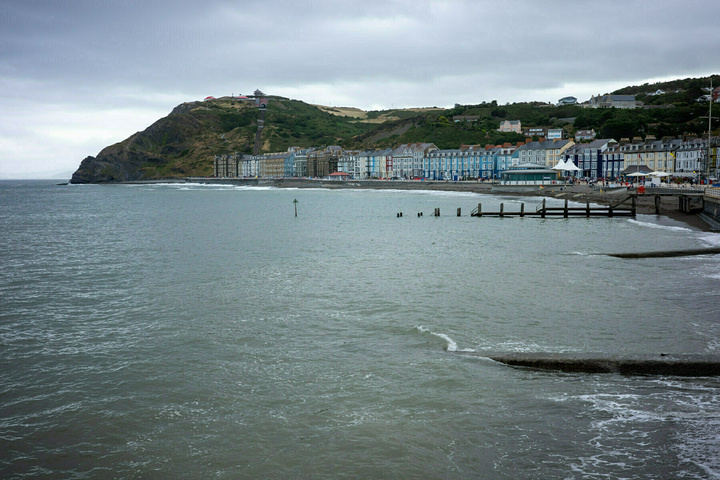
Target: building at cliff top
613	101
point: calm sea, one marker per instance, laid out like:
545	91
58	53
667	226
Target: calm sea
189	331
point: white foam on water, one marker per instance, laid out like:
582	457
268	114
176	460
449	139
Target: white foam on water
253	187
435	193
451	345
513	346
683	412
184	186
205	186
661	227
710	239
710	267
441	193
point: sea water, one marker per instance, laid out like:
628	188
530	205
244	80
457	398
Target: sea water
193	331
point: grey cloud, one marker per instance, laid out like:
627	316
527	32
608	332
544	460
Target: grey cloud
98	54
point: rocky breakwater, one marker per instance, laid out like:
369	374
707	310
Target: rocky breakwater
691	365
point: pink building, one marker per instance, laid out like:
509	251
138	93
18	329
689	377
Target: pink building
510	126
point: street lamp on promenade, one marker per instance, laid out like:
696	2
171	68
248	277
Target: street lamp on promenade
710	119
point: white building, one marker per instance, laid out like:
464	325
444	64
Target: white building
408	159
613	101
690	156
546	153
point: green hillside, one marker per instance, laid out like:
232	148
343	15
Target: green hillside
186	141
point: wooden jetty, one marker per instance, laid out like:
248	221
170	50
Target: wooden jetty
542	211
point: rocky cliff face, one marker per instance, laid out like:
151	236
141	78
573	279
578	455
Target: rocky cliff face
116	163
181	144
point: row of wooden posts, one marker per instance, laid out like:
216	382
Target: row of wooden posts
543	211
565	211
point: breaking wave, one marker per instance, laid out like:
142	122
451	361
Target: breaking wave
661	227
450	346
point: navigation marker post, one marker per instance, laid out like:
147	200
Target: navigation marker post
295	202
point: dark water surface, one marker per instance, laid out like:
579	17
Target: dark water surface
187	331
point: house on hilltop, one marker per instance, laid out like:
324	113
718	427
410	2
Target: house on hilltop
510	126
555	133
540	132
465	118
613	101
584	135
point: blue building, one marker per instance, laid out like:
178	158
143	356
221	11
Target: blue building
469	162
289	165
596	159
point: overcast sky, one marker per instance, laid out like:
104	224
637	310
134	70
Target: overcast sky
77	76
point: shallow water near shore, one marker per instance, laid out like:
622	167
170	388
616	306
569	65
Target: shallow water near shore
191	331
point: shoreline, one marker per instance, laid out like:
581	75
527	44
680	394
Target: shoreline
645	204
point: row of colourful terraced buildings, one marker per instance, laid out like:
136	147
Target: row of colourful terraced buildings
602	158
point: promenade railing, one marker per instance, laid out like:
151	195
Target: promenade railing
713	192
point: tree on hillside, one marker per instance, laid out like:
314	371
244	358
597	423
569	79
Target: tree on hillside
618	128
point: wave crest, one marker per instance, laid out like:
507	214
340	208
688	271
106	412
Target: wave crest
450	346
